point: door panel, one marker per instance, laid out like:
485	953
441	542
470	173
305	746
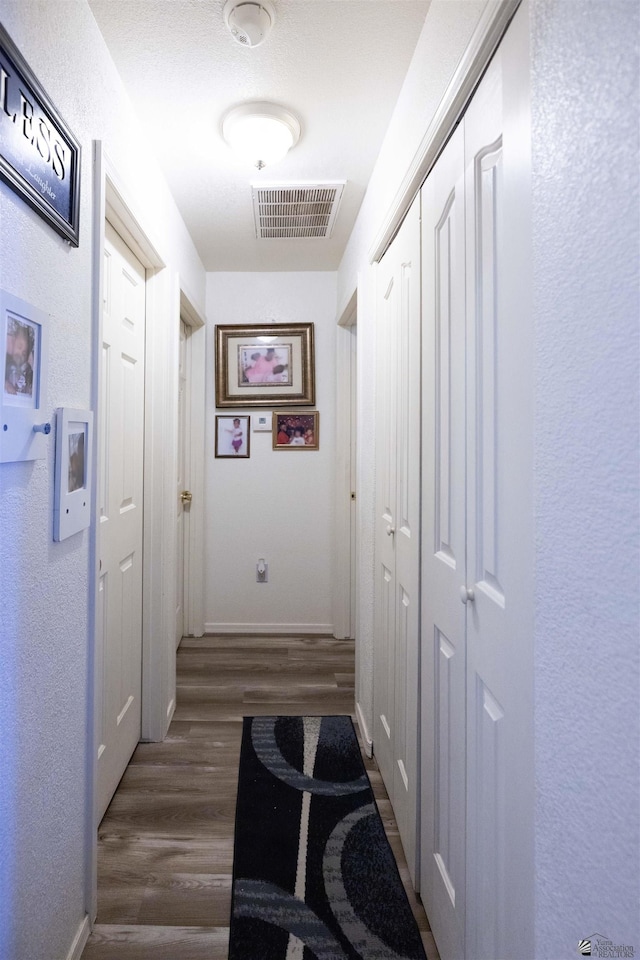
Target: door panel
443	815
398	525
407	536
385	642
181	485
120	498
489	198
477	720
353	483
499	523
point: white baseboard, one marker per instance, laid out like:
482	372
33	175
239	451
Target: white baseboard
259	629
364	731
171	709
80	940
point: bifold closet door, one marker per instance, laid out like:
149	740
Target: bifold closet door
500	754
397	546
477	675
443	813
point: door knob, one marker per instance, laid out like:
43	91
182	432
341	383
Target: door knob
467	594
390	530
186	496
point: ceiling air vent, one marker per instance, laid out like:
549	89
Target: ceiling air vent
295	211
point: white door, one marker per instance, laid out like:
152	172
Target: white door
443	662
499	509
477	721
121	439
344	574
397	526
182	493
353	481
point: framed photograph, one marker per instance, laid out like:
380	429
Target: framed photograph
262	423
72	504
265	365
39	155
22	345
296	431
23	330
232	437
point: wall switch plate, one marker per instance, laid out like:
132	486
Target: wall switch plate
262	573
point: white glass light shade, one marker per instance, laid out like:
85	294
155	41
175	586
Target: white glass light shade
260	133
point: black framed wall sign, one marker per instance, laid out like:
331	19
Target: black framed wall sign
39	156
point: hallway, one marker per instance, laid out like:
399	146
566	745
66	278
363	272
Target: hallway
139	92
166	842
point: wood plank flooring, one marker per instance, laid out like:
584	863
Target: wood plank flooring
165	850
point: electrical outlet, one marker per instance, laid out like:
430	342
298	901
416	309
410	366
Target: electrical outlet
262	572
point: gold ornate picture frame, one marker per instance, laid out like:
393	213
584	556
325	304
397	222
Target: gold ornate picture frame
265	365
294	430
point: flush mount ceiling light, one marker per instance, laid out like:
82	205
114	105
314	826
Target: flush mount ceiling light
260	133
249	22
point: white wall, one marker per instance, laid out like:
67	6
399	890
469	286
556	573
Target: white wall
585	109
448	27
276	504
45	587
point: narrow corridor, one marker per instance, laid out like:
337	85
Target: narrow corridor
166	842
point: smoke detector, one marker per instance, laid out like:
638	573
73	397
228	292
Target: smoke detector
249	22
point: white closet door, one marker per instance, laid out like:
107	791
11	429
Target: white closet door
477	676
443	836
385	558
398	526
499	505
121	438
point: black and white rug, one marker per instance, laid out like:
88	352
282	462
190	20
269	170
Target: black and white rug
314	877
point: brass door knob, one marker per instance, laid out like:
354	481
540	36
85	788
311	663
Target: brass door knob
186	496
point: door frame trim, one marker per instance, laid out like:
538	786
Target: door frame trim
194	607
112	201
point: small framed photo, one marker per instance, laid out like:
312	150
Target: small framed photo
232	437
262	423
23	330
72	505
265	365
296	431
22	341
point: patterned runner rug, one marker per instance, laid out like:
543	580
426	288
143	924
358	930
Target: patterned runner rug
314	877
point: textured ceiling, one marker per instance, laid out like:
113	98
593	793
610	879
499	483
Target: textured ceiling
338	64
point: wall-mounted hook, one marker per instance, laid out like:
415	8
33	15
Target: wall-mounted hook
42	428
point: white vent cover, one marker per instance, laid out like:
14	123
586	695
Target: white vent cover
295	211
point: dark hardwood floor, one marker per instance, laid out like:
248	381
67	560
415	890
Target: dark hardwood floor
166	842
